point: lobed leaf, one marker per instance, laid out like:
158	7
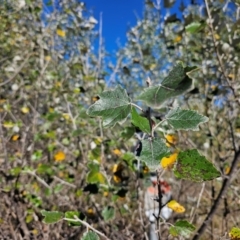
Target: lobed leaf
176	83
113	106
153	151
192	166
185	119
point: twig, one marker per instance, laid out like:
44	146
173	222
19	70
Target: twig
38	178
86	225
232	136
3	142
100	46
135	105
158	124
198	202
220	196
64	182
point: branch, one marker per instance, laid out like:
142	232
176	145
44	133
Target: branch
38	178
64	182
226	183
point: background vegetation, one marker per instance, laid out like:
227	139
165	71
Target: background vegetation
51	72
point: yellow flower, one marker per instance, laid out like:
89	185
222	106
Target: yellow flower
59	156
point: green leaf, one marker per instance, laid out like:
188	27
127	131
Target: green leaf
108	213
95	177
51	217
234	234
185	119
70	215
195	27
182	228
128	132
176	83
140	122
192	166
90	235
113	106
153	151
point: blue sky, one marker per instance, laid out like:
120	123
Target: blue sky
118	16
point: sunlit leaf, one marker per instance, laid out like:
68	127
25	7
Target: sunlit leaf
15	137
168	162
48	58
59	156
177	39
117	152
185	119
113	106
61	33
8	124
153	151
52	217
176	207
25	110
182	228
234	234
171	139
195	167
95	177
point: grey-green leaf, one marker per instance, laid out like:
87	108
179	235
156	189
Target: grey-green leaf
195	167
113	106
51	216
182	228
153	151
185	119
108	213
90	235
140	122
176	83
